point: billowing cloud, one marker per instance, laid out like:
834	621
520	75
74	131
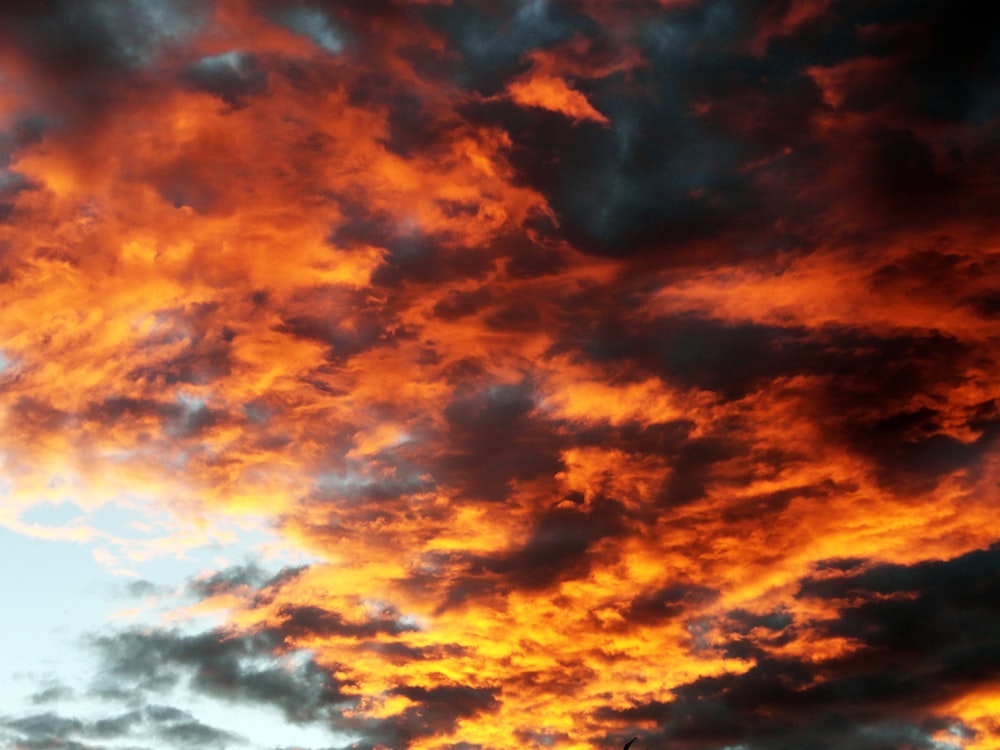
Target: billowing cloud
594	370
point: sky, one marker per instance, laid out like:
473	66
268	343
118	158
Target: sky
452	375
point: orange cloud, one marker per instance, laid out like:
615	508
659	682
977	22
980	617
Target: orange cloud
553	93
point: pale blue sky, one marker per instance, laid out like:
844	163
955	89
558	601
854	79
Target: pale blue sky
58	597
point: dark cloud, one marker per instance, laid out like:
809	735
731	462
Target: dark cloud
986	304
670	601
428	260
116	409
744	622
191	733
871	392
517	316
83	59
355	504
195	349
558	546
903	610
901	176
345	341
47	725
706	136
527	260
34	415
75	41
50	743
261	668
656	177
492	39
179	420
233	668
949	59
561	546
233	76
413	256
437	711
313	22
176	727
413	126
11	185
941	270
235	578
904	619
494	438
461	304
117	726
694	462
769	505
24	131
400	653
697	352
868	387
189	182
311	621
51	694
246	668
651	181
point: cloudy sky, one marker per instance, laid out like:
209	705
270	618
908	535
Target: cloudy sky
499	374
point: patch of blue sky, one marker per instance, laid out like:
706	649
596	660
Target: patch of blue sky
133	532
51	592
58	595
54	514
160	546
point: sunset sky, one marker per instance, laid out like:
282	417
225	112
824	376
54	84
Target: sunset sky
454	375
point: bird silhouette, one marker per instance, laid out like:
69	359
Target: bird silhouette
627	744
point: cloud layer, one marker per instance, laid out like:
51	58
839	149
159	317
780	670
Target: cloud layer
625	368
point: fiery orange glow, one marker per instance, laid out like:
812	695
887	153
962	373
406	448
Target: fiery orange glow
550	92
